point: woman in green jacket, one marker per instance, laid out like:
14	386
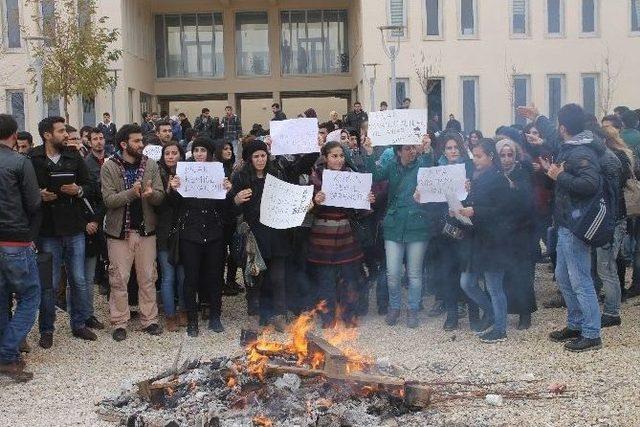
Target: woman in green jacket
407	225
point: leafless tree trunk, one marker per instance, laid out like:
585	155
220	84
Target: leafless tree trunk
427	70
610	76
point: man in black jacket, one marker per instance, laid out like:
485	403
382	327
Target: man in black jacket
108	129
278	114
64	182
356	117
204	123
19	214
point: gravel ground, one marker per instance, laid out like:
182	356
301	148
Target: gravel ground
602	386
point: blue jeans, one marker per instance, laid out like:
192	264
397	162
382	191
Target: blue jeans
608	270
71	248
573	275
170	275
19	275
413	252
330	291
495	308
90	263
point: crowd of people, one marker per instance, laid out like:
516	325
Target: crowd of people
93	203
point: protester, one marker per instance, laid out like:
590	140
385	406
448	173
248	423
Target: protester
278	114
131	188
474	138
25	142
108	129
164	131
232	129
453	125
185	125
74	141
334	118
355	117
406	104
148	125
384	106
201	231
20	199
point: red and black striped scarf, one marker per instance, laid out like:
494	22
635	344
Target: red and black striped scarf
129	179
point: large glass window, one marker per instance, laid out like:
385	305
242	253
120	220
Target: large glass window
189	45
48	10
555	86
555	17
519	17
589	16
590	93
433	10
468	17
521	96
252	44
12	16
635	15
469	103
397	16
88	112
53	107
15	106
314	42
402	91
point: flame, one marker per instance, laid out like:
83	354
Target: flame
169	391
231	382
317	360
257	363
262	421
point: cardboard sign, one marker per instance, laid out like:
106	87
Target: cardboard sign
284	205
434	184
397	127
295	136
346	189
201	180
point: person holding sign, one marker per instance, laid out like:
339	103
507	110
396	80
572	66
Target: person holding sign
333	246
201	230
407	225
268	299
486	246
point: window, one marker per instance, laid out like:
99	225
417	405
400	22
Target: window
635	15
589	16
468	19
519	17
398	16
88	112
555	17
314	42
469	103
12	19
555	87
252	44
402	91
433	14
590	93
189	45
521	96
53	107
84	17
15	106
48	10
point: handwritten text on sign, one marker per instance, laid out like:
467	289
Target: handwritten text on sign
201	180
346	189
154	152
435	183
397	127
284	205
295	136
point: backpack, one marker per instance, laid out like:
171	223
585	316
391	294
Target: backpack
595	221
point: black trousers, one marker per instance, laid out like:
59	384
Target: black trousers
202	264
269	297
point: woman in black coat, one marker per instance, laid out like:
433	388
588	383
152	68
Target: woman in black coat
201	231
520	272
485	244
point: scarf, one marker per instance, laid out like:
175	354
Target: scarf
129	178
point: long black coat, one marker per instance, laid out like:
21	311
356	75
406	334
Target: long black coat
485	245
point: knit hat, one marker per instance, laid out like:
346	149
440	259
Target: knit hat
252	147
203	142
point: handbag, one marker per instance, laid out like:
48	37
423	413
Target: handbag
173	242
452	228
632	196
238	244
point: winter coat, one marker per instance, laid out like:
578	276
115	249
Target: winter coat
166	212
66	215
108	131
486	242
185	124
353	119
406	220
199	220
279	115
204	125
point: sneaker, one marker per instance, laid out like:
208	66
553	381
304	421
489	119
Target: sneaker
85	334
215	325
171	323
451	324
46	340
607	321
119	334
524	322
15	371
436	310
94	323
483	325
192	329
392	316
493	336
412	319
557	302
153	329
564	334
279	323
583	344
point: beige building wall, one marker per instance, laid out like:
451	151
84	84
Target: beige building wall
492	54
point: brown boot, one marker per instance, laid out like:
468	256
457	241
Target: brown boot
183	320
15	371
171	323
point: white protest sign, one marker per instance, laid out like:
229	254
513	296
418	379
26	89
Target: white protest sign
295	136
397	127
455	206
201	180
346	189
434	184
154	152
334	136
284	205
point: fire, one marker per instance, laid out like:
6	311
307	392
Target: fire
317	360
231	382
257	363
262	421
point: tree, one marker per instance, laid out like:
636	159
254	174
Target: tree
609	82
427	69
510	73
77	51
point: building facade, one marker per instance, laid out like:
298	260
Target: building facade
475	59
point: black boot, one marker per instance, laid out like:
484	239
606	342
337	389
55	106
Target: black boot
192	328
524	322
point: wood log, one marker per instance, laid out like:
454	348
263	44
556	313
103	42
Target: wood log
247	337
335	362
416	394
275	369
